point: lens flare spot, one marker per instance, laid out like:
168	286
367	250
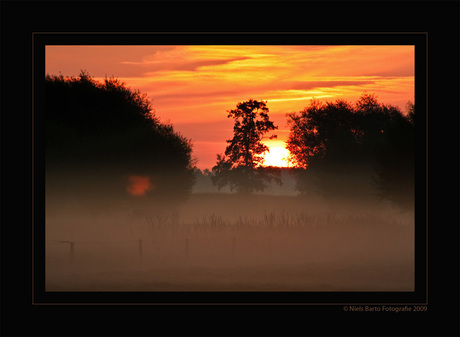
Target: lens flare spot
138	185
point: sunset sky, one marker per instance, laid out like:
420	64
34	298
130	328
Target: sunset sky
193	86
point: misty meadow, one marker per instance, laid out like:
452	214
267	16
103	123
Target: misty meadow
127	209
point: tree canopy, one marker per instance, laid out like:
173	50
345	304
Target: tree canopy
367	147
240	166
101	133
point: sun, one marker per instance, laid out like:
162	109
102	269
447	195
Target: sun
277	156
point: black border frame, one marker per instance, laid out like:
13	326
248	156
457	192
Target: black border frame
439	19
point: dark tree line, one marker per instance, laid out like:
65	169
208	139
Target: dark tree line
98	134
355	150
347	151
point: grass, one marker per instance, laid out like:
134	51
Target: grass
224	234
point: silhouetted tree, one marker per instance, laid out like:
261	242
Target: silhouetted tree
343	147
323	141
240	166
395	177
98	134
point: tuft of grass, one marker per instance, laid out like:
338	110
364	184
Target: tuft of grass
269	221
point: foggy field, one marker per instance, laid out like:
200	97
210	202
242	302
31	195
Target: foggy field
225	242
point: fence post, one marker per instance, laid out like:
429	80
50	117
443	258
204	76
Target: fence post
186	247
270	249
72	251
140	250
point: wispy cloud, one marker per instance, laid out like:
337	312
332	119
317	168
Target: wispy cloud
192	84
165	65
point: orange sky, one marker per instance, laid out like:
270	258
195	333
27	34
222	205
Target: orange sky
194	86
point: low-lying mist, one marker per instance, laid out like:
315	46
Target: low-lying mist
228	242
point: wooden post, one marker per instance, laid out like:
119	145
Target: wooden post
270	248
140	250
72	251
233	247
186	247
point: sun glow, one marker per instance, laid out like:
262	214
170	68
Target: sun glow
277	156
211	79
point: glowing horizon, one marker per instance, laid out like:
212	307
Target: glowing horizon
193	86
